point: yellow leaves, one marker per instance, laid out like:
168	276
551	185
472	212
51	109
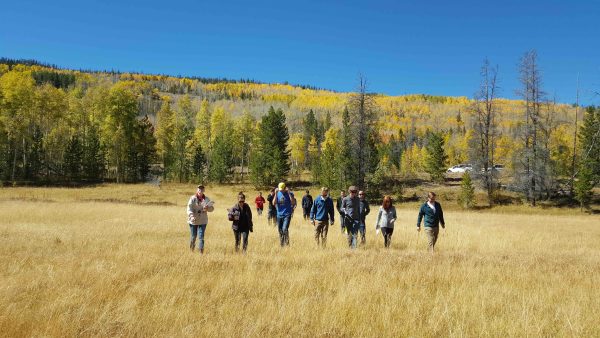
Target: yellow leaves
297	145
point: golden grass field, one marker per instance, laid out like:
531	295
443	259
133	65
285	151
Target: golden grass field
114	261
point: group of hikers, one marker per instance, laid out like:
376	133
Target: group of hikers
281	203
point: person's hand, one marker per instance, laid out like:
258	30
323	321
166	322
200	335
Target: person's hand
377	231
312	221
443	226
330	222
418	229
192	219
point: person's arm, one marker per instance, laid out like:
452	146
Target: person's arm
190	207
394	217
313	211
210	205
378	219
367	208
442	216
329	206
420	218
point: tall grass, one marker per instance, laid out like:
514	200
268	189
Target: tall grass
114	261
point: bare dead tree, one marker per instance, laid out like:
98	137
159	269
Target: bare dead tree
484	120
532	154
362	111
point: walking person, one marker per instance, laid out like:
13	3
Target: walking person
285	203
307	202
351	208
198	207
434	216
271	212
364	211
338	206
322	213
241	216
260	202
386	217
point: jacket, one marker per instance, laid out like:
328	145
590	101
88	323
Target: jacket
351	207
196	215
241	218
386	218
322	209
432	218
364	209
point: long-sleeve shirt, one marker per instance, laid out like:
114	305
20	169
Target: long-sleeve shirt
195	212
351	207
307	201
432	217
322	209
386	218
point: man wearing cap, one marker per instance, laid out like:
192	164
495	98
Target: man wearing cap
322	213
285	203
198	207
351	209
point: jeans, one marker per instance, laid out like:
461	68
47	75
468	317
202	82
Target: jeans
197	231
352	226
362	229
259	211
283	224
243	236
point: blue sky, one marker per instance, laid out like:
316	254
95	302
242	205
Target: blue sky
402	47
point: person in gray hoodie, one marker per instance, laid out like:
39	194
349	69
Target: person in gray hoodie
197	210
386	217
351	209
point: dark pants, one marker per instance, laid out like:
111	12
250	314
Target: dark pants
352	225
272	216
306	213
342	222
243	237
259	211
387	236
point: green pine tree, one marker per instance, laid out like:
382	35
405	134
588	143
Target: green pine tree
435	162
467	192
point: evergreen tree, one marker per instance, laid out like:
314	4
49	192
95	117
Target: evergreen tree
435	162
93	157
221	160
270	160
73	158
467	192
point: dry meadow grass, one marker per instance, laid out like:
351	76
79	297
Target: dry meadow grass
114	261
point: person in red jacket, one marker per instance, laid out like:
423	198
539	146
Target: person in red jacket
260	202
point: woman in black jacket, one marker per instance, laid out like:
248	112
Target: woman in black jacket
241	216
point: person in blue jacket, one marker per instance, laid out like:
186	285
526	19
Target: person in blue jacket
433	214
322	213
285	203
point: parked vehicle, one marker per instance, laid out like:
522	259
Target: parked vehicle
496	168
460	168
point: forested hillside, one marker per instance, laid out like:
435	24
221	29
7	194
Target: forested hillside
61	125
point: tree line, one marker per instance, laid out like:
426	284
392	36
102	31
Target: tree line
61	126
